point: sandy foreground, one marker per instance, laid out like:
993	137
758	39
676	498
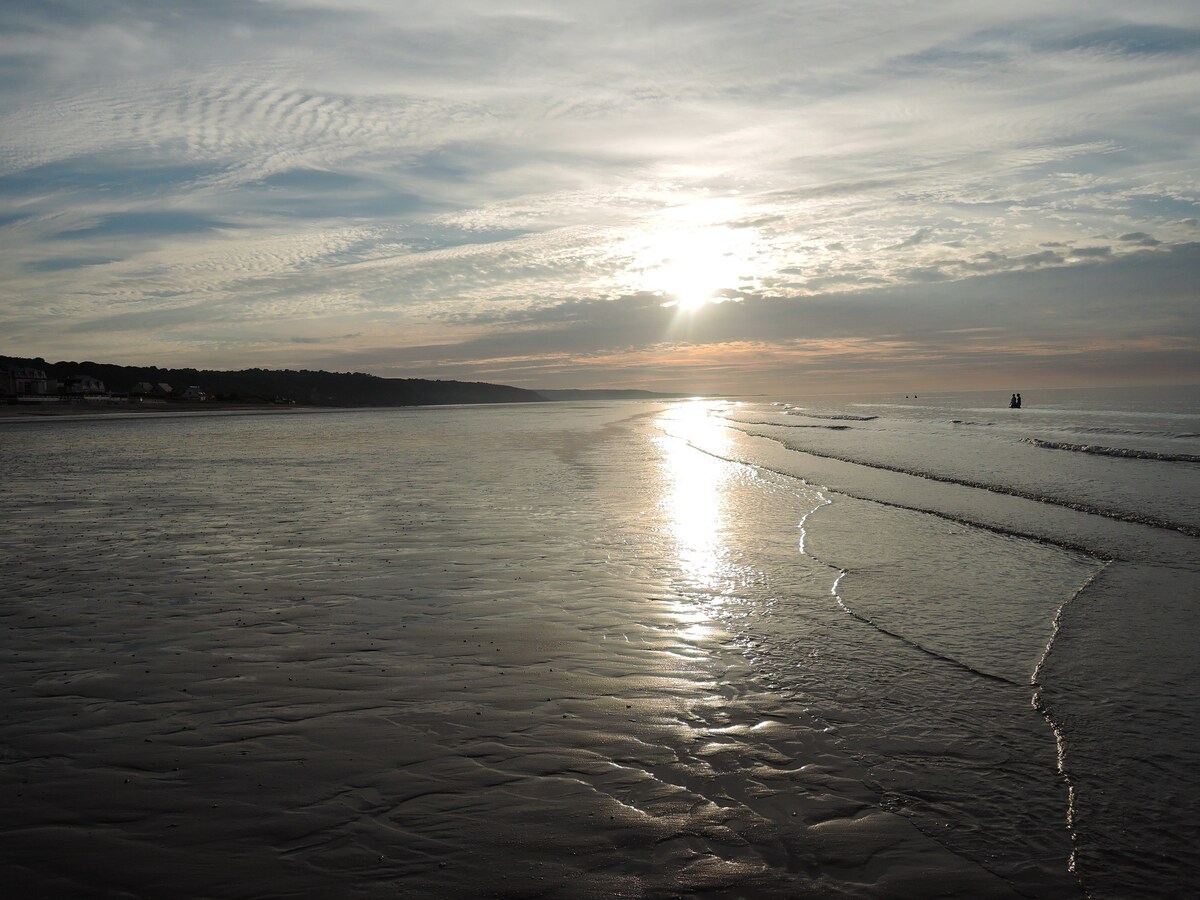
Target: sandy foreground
252	743
225	674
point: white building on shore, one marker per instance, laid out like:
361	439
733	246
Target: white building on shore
83	385
22	381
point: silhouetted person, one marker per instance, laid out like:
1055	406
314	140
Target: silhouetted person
1014	403
1018	401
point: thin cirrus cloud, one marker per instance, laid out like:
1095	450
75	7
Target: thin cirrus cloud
701	197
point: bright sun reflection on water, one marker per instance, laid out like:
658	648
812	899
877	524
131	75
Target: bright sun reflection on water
695	493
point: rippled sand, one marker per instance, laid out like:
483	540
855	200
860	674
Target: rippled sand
456	653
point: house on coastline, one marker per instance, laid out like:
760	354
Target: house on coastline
25	384
147	389
22	381
144	390
84	386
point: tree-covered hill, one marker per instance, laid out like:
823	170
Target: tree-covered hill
304	386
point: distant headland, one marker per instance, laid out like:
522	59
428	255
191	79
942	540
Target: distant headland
34	382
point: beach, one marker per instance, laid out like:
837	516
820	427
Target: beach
640	649
110	409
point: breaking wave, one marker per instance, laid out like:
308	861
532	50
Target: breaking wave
1122	452
1134	432
846	416
787	424
1038	497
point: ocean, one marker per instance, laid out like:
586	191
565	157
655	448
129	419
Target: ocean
801	646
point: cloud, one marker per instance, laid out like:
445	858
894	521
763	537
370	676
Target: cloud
62	263
1134	39
1140	238
1003	315
140	224
917	237
253	183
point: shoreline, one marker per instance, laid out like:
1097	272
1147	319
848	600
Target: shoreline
79	412
83	411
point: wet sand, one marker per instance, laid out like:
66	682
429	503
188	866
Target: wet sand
241	662
235	747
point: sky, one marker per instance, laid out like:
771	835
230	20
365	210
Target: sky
761	197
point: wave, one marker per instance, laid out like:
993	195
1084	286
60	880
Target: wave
1123	452
1056	725
957	519
1090	509
846	416
787	424
916	645
1131	432
867	620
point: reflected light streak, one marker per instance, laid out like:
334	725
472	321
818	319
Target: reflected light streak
695	495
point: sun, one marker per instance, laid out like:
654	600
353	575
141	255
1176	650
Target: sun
691	265
689	279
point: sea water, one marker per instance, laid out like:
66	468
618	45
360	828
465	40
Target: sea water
800	646
1107	482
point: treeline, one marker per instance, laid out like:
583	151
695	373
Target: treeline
304	386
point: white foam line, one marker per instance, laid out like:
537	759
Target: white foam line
1060	742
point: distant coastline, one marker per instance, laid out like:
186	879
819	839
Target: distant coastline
35	387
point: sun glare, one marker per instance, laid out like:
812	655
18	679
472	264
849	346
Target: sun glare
691	266
690	260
